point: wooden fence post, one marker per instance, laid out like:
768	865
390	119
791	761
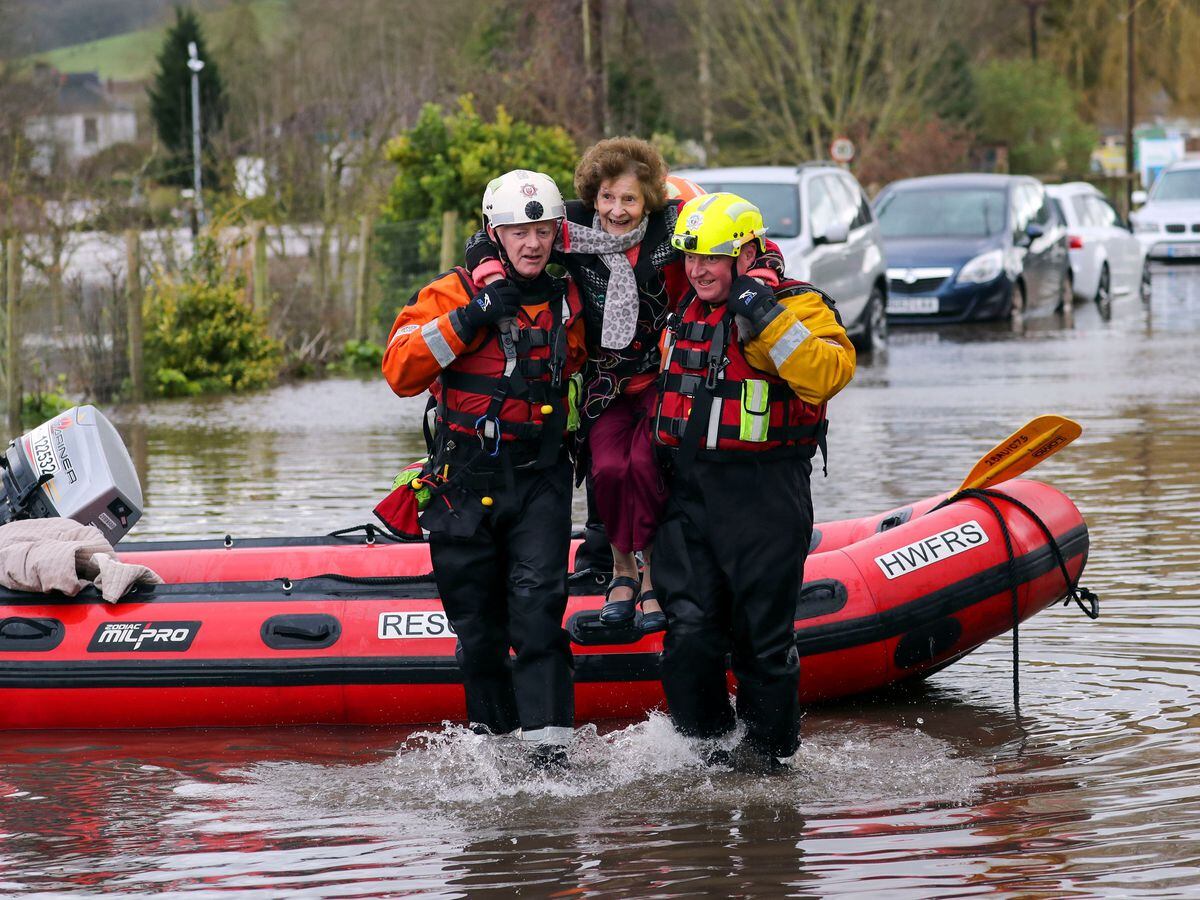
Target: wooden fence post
450	242
262	295
365	228
55	278
133	313
12	335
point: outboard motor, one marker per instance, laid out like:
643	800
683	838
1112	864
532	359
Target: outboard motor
74	466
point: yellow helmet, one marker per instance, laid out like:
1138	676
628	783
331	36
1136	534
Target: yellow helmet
718	225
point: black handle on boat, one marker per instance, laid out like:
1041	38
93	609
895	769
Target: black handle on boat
26	629
302	632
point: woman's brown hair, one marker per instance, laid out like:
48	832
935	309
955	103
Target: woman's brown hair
614	157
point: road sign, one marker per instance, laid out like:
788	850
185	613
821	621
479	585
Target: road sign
841	150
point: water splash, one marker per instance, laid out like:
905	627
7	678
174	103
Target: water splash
452	773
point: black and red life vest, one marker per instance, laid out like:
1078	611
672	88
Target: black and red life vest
714	404
513	386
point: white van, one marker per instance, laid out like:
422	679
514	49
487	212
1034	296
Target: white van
819	216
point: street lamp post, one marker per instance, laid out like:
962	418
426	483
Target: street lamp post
196	64
1130	73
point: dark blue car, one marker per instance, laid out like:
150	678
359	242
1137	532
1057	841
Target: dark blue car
971	247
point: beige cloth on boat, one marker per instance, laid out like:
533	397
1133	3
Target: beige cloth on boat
43	555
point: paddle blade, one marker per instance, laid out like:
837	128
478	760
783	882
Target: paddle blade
1022	450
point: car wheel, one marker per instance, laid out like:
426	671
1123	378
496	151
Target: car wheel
1066	298
1066	293
1017	306
1144	289
875	327
1104	294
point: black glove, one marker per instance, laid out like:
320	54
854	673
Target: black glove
479	250
499	300
755	301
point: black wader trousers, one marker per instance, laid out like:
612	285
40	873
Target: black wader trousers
728	567
595	553
506	586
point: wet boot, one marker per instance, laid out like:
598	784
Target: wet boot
549	758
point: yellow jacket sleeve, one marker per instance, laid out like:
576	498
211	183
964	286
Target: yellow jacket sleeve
806	347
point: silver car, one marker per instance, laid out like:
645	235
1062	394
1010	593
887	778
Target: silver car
821	220
1169	224
1107	261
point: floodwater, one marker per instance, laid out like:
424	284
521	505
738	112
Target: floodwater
940	790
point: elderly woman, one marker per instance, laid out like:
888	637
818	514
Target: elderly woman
616	246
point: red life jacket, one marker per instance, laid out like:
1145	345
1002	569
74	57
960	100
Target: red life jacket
499	390
714	404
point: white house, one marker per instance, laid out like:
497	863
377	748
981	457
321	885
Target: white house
83	118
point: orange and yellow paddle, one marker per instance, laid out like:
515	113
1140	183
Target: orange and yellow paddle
1022	450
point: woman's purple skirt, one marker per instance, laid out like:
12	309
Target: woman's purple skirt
627	487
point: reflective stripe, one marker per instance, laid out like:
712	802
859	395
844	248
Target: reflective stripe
551	734
787	344
756	411
437	345
714	419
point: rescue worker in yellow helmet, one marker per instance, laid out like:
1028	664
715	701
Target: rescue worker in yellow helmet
747	371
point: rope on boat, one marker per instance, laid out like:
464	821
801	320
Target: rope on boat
1086	600
373	532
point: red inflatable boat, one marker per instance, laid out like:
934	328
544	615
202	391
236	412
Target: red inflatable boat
350	630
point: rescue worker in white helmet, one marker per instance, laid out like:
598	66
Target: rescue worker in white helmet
747	371
497	362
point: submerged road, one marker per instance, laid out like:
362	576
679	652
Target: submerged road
937	791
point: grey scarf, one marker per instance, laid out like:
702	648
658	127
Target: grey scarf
621	299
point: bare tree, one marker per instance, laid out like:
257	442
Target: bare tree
796	73
319	104
1086	40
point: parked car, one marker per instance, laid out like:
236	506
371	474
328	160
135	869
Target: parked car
971	247
823	224
1169	224
1106	259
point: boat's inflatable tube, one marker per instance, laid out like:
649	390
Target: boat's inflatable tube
339	630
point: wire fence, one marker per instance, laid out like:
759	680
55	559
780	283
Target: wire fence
317	286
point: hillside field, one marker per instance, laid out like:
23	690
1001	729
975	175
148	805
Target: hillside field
131	56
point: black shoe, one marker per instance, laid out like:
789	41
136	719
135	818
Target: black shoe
549	758
620	612
652	622
749	760
719	758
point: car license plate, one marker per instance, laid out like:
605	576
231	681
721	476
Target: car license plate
1183	250
905	306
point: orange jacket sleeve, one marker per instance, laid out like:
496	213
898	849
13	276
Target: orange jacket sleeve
423	339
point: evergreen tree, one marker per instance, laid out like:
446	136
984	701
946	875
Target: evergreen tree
171	100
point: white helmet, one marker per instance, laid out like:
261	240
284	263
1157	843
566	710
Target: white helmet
522	196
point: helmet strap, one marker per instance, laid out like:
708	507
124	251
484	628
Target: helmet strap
492	233
510	270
